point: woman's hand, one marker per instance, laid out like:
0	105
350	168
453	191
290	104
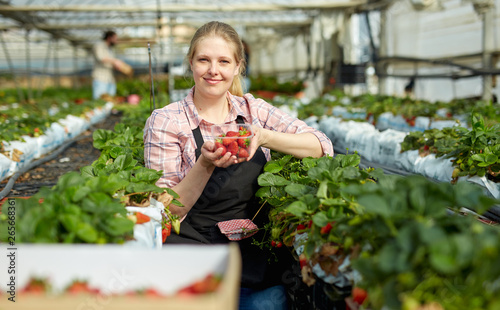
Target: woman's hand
256	141
213	156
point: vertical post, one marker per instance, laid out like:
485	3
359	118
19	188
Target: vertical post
57	78
45	69
487	16
171	81
28	65
382	69
75	67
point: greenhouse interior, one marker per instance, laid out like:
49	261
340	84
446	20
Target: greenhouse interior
258	154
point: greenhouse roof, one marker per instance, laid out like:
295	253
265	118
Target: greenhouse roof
82	22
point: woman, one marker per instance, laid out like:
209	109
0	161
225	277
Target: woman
215	188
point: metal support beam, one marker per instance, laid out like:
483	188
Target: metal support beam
179	8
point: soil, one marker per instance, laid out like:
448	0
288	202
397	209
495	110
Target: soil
79	154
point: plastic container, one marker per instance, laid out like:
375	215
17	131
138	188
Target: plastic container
234	138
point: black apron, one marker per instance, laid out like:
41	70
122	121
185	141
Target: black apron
230	194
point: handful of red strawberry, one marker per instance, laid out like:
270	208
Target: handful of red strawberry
234	141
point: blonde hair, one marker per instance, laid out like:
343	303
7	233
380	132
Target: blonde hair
228	34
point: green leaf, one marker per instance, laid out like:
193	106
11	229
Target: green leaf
298	190
117	226
375	204
69	221
333	202
70	179
320	219
146	175
141	188
88	172
297	208
352	160
81	193
100	136
443	256
263	192
417	196
351	173
124	162
309	162
273	167
86	232
269	179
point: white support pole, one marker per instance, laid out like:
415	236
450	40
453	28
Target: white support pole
488	45
382	52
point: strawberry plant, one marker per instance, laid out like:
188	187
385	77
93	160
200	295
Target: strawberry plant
89	207
473	152
478	151
304	197
414	251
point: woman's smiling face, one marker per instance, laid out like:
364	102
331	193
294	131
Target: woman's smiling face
214	66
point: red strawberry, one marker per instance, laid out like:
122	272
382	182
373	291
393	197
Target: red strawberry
141	218
273	243
279	244
243	131
359	295
301	227
244	142
78	287
151	292
164	235
232	134
165	232
226	140
243	153
302	261
224	150
218	143
233	148
326	229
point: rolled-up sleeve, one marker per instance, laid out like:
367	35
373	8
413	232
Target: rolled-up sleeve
162	149
275	119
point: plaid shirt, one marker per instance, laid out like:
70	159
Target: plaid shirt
169	143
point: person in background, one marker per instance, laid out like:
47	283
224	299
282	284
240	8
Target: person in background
215	188
409	88
103	80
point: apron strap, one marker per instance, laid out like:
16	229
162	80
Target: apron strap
198	138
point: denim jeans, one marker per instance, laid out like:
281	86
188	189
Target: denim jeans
273	298
100	88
